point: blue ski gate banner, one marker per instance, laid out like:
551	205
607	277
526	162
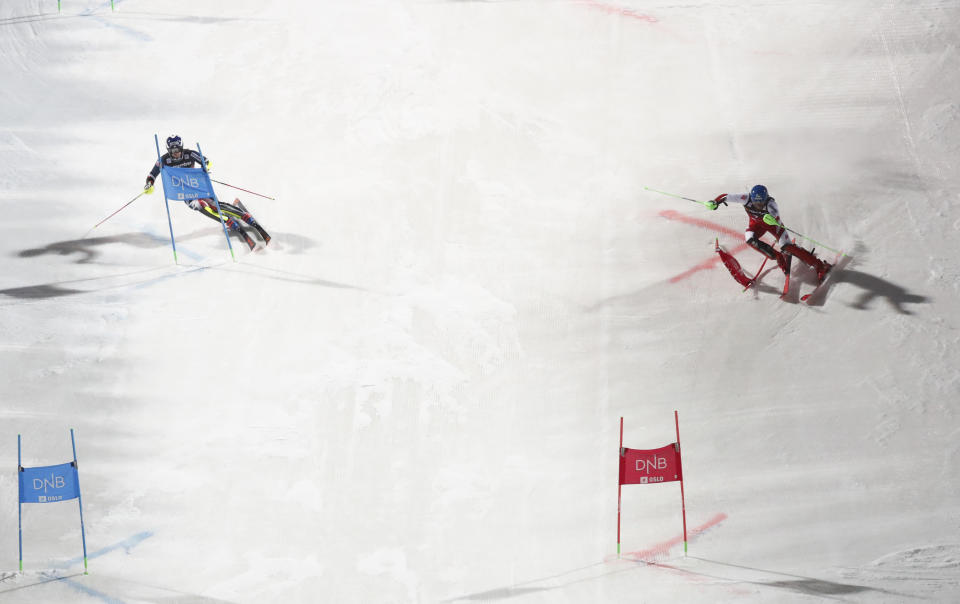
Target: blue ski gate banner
185	184
49	483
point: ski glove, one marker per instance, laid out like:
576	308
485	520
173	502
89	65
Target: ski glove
209	166
197	204
717	201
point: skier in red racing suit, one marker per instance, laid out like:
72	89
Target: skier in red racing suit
758	203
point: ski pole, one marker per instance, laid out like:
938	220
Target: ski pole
703	203
112	215
769	219
757	274
242	189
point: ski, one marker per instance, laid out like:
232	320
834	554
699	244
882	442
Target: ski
736	271
239	204
256	225
263	234
820	291
786	278
246	238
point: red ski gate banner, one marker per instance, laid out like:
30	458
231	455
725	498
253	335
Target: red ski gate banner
650	466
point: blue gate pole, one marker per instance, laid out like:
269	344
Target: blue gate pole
169	222
216	201
20	502
83	535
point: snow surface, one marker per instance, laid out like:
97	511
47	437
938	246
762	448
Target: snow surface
413	394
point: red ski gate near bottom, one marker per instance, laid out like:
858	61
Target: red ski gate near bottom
651	466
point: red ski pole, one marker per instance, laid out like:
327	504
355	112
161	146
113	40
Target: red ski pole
112	215
242	189
619	488
683	499
754	280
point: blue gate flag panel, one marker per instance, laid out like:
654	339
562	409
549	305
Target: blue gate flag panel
184	184
49	483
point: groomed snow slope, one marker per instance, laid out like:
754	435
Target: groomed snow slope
413	394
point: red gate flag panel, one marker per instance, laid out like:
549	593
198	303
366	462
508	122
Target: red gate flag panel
650	466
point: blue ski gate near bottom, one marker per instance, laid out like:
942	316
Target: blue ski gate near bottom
49	484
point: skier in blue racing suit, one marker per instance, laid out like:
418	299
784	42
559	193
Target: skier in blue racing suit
234	215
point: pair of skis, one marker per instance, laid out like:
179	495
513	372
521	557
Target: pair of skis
256	225
741	277
818	293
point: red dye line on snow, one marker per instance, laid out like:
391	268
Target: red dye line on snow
703	266
610	9
700	222
662	549
617	10
710	226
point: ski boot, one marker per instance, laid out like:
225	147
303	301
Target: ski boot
234	226
823	270
249	219
256	225
783	261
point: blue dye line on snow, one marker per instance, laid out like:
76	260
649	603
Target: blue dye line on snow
126	545
91	592
182	251
163	278
139	35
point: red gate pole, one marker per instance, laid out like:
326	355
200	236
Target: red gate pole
683	502
619	485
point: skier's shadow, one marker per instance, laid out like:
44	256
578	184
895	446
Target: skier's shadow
88	251
87	248
874	287
805	585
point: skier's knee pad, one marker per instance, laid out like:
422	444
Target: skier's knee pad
764	248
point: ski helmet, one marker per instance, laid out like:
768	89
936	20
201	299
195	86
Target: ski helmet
174	143
758	194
